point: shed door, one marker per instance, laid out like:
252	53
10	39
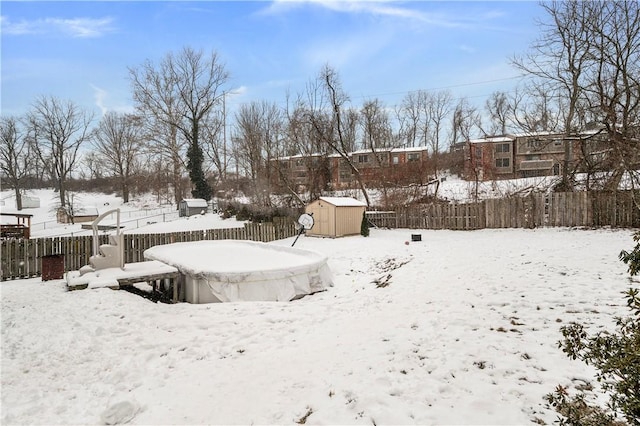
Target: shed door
324	222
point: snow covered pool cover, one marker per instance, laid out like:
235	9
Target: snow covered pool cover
235	270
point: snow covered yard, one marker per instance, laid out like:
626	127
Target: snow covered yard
461	328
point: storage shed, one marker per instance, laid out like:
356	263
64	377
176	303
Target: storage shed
80	214
335	216
192	206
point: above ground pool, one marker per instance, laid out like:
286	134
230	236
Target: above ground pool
234	270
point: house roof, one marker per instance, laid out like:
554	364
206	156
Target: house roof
493	139
343	201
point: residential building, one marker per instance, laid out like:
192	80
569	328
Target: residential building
396	166
529	154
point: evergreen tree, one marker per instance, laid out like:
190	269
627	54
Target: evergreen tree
364	226
195	158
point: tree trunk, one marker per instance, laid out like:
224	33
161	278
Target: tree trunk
18	197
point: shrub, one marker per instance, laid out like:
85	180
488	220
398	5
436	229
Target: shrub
615	355
364	226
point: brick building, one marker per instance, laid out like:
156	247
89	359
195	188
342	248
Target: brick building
529	154
398	166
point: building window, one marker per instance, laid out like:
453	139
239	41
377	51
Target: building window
478	153
502	162
503	147
531	157
557	142
363	158
396	159
534	144
414	156
299	163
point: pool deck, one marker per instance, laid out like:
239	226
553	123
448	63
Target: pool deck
151	272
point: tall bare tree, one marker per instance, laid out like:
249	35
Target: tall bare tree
535	108
332	125
118	140
183	91
438	109
498	109
408	114
15	156
213	134
168	146
259	127
615	88
378	138
465	121
589	56
57	130
299	139
559	59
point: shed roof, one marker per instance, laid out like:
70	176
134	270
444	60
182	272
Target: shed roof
86	211
195	202
343	201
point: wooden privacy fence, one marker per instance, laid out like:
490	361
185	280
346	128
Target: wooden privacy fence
562	209
21	258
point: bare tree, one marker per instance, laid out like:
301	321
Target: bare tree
409	118
377	133
214	143
330	125
58	129
438	108
118	139
299	139
558	59
258	127
166	144
615	82
536	109
465	120
93	166
183	91
15	156
589	56
498	109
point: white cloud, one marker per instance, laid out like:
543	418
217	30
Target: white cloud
386	8
76	27
100	95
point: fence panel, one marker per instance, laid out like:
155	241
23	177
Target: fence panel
20	258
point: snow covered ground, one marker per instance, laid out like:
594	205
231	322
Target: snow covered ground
140	216
461	328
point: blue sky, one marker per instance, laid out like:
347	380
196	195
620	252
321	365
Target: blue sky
81	51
